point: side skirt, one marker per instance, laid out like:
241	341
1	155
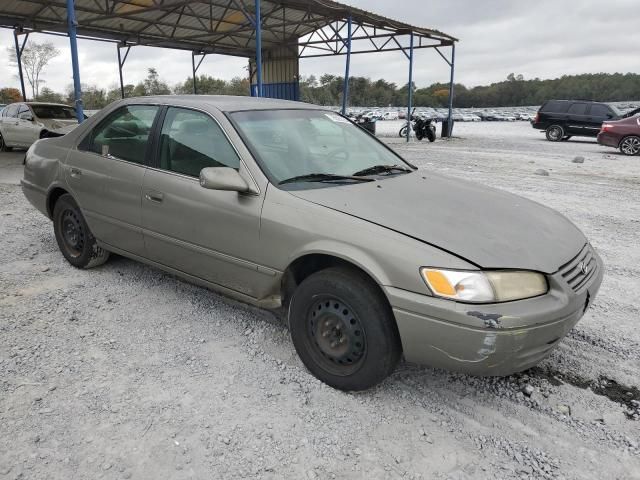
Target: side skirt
270	303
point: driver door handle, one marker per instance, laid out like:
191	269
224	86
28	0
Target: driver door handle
156	197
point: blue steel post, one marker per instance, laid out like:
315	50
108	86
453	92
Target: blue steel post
453	63
345	90
259	48
77	89
410	86
19	59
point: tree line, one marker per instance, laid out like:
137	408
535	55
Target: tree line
328	89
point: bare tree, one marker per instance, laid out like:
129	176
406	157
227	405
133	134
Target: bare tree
35	57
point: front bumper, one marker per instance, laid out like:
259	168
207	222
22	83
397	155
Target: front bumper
494	339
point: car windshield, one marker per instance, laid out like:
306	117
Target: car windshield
57	112
296	143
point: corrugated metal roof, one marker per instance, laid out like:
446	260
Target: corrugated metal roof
209	26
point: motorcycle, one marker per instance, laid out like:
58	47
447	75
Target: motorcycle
423	128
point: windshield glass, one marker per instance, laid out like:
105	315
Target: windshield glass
292	143
57	112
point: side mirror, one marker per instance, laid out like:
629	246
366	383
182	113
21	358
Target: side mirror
26	116
222	178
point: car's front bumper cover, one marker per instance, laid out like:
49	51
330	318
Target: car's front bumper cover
493	339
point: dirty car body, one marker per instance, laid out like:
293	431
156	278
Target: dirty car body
474	279
21	124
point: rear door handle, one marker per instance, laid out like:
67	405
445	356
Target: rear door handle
75	172
156	197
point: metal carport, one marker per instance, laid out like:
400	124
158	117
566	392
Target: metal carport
272	34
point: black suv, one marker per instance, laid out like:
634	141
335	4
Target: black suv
563	119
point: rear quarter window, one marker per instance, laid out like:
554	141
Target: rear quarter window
555	106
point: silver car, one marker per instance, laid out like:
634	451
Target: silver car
23	123
292	207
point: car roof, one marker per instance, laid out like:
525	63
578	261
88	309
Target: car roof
48	104
225	103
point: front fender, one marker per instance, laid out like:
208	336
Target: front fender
292	227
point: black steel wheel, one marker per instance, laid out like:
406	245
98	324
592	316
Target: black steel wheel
338	339
343	329
630	145
75	240
555	133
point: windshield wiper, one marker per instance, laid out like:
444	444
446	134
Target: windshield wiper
381	169
323	177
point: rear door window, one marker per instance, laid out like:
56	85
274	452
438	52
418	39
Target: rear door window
124	134
578	109
555	106
601	111
192	140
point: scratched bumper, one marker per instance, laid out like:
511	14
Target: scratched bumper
495	339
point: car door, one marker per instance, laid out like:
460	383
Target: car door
597	114
9	121
105	174
210	234
26	130
577	118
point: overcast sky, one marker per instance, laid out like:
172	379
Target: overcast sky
542	38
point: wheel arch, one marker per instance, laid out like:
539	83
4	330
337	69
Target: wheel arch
311	262
622	139
52	197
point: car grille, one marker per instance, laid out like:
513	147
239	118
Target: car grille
573	271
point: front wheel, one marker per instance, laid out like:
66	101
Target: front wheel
431	134
75	240
630	145
343	329
555	133
403	132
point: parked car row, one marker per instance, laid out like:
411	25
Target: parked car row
563	119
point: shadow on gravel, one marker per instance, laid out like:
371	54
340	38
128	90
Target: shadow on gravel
624	395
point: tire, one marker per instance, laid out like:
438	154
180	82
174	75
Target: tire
431	134
630	145
3	146
75	240
403	132
343	329
555	133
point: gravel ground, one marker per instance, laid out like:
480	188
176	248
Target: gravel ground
126	372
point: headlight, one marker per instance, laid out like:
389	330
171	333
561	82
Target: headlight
484	287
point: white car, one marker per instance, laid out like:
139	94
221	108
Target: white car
390	116
21	124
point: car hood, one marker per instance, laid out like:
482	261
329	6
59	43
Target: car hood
61	126
491	228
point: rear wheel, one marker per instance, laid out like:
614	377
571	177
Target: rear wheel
555	133
3	145
343	329
630	145
75	240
